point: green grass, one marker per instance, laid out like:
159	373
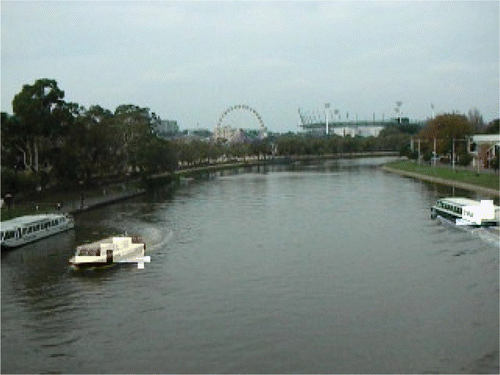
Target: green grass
485	179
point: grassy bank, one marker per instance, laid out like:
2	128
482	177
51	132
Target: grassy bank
445	173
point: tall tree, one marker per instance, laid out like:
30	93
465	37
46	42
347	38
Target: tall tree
93	143
493	127
445	128
12	145
476	120
38	108
134	126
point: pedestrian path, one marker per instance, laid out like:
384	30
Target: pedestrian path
85	204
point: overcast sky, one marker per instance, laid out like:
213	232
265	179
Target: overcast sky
190	61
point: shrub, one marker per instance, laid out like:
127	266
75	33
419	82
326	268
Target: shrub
464	159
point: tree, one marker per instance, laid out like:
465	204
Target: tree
133	125
446	128
13	152
476	120
39	111
493	127
156	156
92	143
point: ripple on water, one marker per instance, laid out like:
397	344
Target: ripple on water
294	271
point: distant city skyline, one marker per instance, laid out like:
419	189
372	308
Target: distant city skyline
191	61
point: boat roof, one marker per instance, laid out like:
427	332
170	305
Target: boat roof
26	220
107	240
461	201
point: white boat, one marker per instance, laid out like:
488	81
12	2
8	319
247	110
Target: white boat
465	211
110	250
26	229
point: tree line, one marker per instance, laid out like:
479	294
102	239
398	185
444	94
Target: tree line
48	141
448	136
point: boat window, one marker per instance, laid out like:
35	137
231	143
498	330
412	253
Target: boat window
89	252
2	236
25	230
9	234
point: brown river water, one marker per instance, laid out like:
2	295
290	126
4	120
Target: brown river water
333	267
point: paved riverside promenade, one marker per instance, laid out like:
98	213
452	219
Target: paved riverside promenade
85	204
442	181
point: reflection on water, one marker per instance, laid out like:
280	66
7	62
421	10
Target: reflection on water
324	268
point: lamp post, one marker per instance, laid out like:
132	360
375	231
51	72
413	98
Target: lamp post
419	151
453	154
434	155
327	105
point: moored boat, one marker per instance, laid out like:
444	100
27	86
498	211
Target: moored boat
26	229
110	250
465	211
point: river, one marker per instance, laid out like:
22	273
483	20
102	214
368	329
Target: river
333	267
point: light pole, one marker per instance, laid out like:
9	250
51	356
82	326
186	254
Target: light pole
419	151
434	155
453	154
398	110
327	105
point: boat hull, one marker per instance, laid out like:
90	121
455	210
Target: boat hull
108	252
7	245
458	220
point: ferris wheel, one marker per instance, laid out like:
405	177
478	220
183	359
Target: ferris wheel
245	122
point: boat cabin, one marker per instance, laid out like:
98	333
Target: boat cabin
469	211
25	229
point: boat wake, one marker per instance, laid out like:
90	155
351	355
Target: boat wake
489	235
155	238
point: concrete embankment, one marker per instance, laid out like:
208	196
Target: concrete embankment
91	203
442	181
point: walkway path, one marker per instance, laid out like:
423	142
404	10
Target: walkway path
83	204
442	181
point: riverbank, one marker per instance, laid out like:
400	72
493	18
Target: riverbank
73	202
280	160
79	201
484	182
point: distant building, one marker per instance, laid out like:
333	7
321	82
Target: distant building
169	126
230	134
166	128
355	128
360	131
484	148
